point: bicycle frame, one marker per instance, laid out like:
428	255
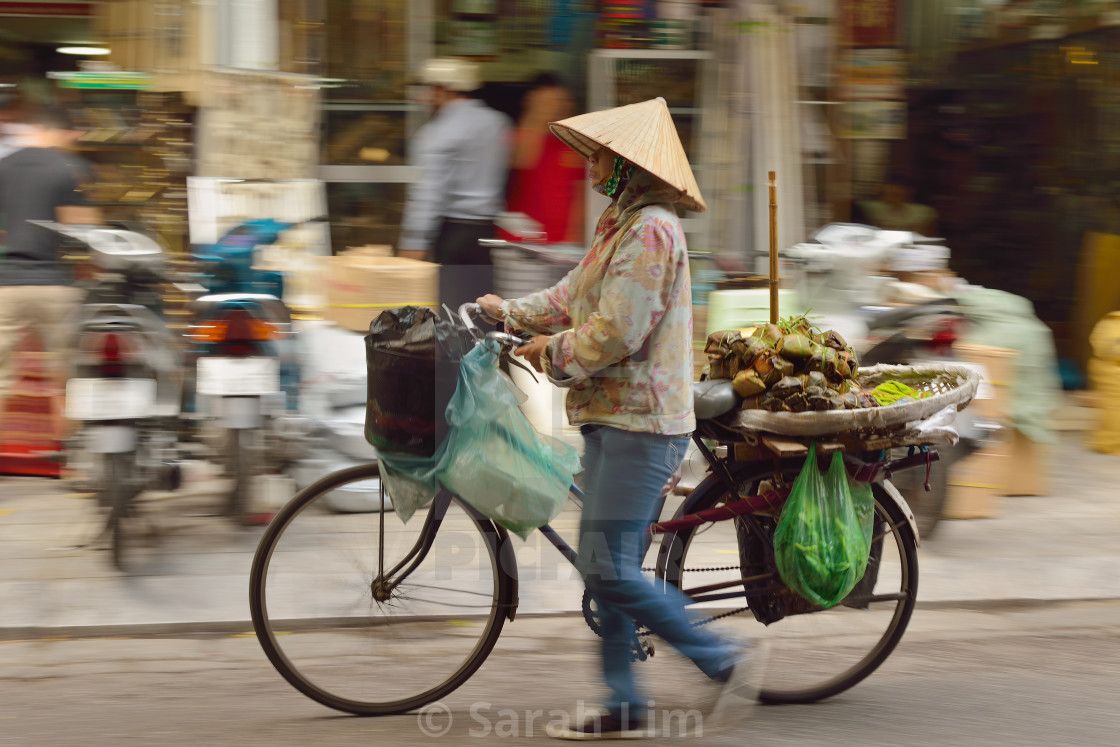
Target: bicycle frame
732	489
720	472
386	581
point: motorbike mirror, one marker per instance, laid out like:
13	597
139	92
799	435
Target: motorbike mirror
70	230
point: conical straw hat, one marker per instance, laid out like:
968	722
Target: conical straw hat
641	133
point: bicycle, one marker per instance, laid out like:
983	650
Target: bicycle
401	616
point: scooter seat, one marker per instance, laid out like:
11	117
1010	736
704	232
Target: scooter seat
273	306
713	398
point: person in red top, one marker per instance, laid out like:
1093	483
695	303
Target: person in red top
546	178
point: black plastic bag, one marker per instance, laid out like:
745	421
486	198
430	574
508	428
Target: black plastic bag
412	366
418	331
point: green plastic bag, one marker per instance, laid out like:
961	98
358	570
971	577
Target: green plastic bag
823	536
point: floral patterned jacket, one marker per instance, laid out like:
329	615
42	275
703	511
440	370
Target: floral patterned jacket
622	319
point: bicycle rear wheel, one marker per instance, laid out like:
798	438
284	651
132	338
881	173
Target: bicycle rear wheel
814	653
360	639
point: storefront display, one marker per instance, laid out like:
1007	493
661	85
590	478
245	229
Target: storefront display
140	143
1013	141
370	113
256	125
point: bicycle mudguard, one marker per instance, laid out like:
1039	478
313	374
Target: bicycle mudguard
507	561
904	507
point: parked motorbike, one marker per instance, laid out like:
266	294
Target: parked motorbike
839	272
917	334
126	384
243	357
337	441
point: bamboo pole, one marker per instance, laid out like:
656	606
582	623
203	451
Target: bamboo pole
773	247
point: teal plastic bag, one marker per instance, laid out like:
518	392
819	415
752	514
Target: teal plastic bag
823	537
492	457
497	461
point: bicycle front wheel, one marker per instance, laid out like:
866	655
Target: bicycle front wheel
369	615
814	653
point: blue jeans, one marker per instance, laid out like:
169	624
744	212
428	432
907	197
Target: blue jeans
624	475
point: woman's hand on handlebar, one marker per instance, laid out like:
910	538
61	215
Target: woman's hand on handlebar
490	306
533	350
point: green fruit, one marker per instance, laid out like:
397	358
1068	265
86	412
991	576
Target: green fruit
833	340
770	333
748	384
721	341
795	347
717	367
787	386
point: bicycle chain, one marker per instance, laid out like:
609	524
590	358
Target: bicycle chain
646	632
700	570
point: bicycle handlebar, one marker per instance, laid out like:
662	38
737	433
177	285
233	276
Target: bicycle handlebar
506	340
466	311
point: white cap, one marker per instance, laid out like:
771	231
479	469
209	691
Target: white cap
451	73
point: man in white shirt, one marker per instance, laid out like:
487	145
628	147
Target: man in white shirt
463	156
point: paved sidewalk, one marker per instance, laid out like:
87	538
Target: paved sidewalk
1060	547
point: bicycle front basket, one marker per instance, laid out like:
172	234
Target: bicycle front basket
405	400
412	366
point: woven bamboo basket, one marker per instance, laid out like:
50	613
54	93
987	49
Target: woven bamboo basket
948	386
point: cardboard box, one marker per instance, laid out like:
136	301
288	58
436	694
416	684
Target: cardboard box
359	288
1027	466
976	486
369	250
305	283
996	367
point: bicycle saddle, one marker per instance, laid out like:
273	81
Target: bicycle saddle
713	398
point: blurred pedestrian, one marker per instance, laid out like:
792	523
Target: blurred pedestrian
14	128
895	210
462	154
617	332
546	178
40	181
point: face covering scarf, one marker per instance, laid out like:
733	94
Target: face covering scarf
619	178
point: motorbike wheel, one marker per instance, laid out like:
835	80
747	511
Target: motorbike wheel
118	492
241	467
85	470
99	479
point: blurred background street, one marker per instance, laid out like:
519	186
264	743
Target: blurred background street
191	574
240	188
1012	641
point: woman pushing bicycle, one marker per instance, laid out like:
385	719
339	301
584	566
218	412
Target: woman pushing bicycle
617	333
